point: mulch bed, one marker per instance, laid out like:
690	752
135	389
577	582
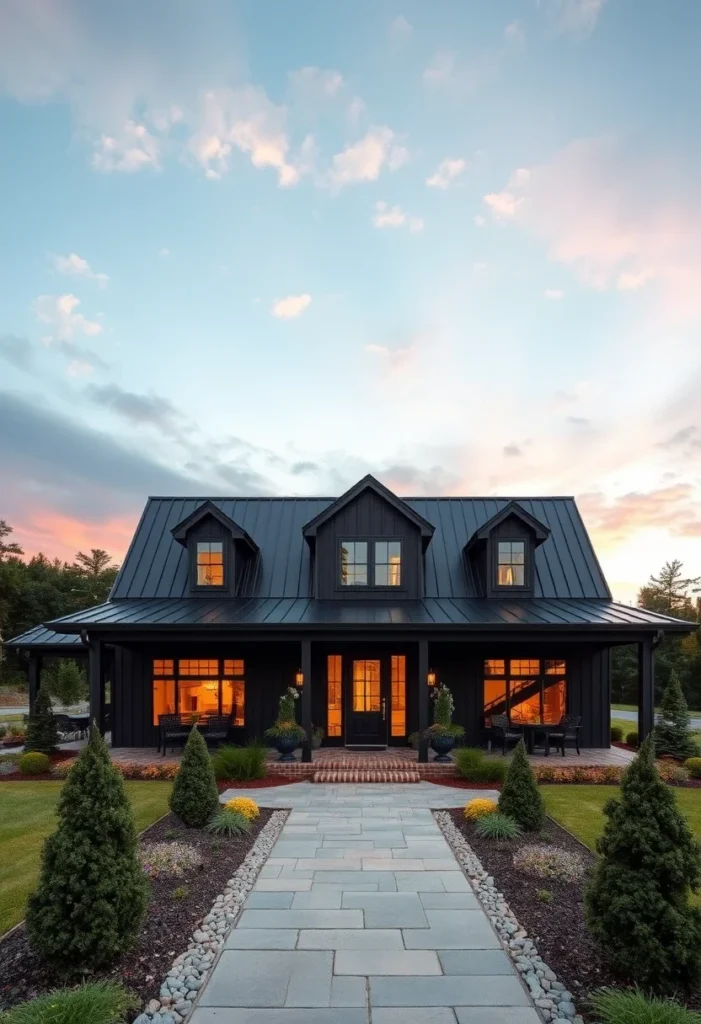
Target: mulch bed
176	907
458	783
266	783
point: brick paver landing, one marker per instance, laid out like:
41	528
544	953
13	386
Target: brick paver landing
362	912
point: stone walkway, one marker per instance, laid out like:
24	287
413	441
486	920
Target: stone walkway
362	913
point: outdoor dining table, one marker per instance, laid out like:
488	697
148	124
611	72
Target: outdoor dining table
80	721
529	730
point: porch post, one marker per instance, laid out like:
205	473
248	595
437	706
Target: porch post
646	688
96	675
423	699
34	677
306	666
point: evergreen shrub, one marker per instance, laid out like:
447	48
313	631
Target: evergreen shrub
195	797
520	798
42	732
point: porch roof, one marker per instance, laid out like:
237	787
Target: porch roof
470	614
42	637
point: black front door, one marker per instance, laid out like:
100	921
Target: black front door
366	710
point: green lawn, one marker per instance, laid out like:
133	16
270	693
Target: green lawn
27	817
578	809
634	707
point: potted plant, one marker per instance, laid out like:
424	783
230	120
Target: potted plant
414	740
444	732
317	736
287	734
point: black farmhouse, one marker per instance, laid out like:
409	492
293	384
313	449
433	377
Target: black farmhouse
364	602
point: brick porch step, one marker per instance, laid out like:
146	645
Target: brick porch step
366	775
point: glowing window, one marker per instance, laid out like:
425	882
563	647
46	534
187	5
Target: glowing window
388	563
555	668
162	667
494	697
163	698
198	697
524	667
334	695
198	667
366	686
554	701
233	700
210	563
233	667
511	557
524	700
354	563
494	667
398	710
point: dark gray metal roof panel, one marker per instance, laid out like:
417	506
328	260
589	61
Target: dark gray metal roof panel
40	636
469	613
156	565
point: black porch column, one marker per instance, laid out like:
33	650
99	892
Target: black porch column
646	688
34	676
96	677
423	699
306	666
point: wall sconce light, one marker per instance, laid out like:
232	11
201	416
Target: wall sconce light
431	677
299	678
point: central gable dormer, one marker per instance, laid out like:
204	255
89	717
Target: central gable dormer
501	553
368	544
221	554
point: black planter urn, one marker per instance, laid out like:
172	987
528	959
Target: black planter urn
442	745
285	745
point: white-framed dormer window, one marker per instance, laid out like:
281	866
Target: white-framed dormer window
511	563
388	563
354	563
210	563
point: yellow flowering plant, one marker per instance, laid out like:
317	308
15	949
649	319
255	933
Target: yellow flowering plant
478	807
244	804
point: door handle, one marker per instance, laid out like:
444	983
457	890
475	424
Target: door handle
384	709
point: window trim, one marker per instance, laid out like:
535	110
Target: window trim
370	586
512	588
227	562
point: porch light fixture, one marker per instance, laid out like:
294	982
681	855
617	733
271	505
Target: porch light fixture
431	677
299	678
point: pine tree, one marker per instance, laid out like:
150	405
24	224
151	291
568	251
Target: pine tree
92	894
520	798
195	797
637	905
672	730
42	732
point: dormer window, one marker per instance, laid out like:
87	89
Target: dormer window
388	563
210	563
511	563
367	563
354	563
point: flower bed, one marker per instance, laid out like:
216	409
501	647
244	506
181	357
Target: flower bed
177	906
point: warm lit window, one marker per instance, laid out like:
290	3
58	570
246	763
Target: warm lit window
210	563
388	563
198	667
162	667
555	668
524	700
354	563
494	697
494	667
163	697
524	667
233	667
334	693
366	686
398	717
233	700
511	556
198	697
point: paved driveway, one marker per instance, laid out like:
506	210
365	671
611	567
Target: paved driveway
362	908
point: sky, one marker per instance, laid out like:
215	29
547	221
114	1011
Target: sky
267	247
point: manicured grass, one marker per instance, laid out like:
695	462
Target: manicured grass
626	726
27	817
634	707
579	810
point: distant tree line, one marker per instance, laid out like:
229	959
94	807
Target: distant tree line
670	593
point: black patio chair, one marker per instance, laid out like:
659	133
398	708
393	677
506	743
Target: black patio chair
171	732
503	730
217	729
67	729
569	728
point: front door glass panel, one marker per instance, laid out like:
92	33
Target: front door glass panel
366	686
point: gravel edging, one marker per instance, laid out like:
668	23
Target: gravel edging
188	974
554	1003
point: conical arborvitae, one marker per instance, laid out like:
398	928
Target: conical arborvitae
672	731
195	797
92	894
520	798
42	732
637	904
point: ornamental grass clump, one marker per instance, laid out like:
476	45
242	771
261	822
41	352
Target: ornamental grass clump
672	730
195	797
549	862
42	731
630	1006
100	1002
520	798
497	826
240	764
91	898
478	807
637	905
229	823
249	808
472	765
168	859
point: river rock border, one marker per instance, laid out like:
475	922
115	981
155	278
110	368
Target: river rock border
189	971
554	1003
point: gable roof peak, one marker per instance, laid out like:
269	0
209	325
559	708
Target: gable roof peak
369	483
541	532
208	508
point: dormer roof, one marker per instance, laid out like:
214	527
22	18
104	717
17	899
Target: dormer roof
513	509
209	509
